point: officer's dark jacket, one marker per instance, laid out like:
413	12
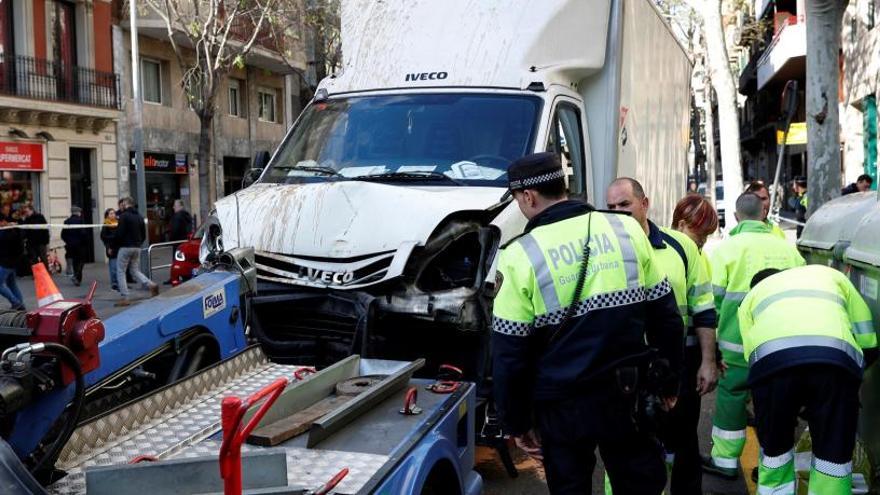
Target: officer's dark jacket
625	307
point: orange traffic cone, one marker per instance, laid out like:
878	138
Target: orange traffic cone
46	290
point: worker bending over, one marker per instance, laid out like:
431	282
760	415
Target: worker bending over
807	335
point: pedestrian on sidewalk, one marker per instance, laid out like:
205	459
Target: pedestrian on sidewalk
862	184
11	251
181	223
130	235
36	240
108	237
75	242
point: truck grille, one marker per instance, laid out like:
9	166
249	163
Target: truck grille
323	272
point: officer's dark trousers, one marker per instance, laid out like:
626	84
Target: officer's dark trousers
679	431
570	431
829	398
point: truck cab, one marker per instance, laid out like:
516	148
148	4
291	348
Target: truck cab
377	222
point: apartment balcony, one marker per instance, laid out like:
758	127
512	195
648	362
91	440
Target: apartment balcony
37	79
785	56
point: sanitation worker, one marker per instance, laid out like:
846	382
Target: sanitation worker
585	329
759	189
680	260
734	262
807	335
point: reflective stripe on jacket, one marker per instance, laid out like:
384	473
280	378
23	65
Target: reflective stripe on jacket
810	314
734	262
692	285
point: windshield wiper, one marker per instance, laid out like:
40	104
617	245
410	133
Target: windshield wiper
318	170
415	176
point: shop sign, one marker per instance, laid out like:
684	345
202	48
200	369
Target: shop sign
797	134
163	162
26	157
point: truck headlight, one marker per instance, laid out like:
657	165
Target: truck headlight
455	265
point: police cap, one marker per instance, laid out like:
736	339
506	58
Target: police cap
801	181
533	170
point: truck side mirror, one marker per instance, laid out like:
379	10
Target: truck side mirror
250	177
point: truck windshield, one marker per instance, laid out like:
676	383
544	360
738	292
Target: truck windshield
447	139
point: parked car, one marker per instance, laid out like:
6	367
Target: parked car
186	259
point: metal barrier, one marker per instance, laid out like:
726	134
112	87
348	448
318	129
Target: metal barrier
148	258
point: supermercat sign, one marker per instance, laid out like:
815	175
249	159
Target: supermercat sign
21	157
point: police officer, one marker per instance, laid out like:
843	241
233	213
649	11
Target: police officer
734	262
680	260
567	342
807	335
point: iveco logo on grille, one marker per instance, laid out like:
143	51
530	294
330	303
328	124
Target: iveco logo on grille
328	277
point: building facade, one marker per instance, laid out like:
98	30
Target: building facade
777	49
860	40
255	106
59	105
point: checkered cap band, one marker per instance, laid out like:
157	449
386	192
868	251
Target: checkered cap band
536	180
514	328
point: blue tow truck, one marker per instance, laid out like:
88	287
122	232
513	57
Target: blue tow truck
170	396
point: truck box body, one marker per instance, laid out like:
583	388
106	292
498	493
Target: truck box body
353	201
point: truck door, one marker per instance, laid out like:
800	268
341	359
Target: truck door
565	138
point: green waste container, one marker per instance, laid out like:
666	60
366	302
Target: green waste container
831	229
862	263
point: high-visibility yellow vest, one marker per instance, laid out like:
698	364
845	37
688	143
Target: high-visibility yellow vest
541	268
691	284
806	314
734	262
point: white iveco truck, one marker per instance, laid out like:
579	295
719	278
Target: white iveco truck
377	222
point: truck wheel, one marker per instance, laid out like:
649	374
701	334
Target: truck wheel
443	480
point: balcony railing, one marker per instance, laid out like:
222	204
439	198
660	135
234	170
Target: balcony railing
39	79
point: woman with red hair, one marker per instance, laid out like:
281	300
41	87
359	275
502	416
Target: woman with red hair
695	217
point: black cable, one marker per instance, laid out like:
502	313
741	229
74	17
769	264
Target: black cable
66	355
579	287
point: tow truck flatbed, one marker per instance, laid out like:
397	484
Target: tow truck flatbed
384	451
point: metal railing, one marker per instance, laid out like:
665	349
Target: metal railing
31	77
159	246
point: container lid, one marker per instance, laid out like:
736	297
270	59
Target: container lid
837	221
865	245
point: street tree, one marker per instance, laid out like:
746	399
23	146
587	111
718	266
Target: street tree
323	21
722	81
708	50
824	19
316	23
209	38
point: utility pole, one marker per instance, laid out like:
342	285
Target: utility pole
138	126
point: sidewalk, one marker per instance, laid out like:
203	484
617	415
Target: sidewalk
105	297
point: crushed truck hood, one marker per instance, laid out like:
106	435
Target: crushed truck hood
341	219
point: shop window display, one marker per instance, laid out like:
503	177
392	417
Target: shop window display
16	190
